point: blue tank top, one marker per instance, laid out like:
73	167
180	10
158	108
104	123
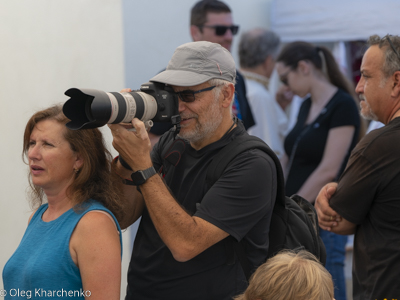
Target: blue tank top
42	267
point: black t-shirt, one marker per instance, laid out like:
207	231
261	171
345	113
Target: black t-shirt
240	203
368	195
311	139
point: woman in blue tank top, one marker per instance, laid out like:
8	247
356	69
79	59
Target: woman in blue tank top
72	247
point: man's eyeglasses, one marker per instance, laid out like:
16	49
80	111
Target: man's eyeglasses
189	95
221	29
391	45
284	77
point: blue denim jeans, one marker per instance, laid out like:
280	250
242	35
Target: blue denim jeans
335	256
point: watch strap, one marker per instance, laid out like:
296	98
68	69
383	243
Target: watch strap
149	172
141	176
128	182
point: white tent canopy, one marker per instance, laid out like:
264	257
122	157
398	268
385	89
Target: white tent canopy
338	20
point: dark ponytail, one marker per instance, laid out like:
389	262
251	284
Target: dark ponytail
334	74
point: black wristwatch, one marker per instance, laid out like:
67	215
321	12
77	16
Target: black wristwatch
140	177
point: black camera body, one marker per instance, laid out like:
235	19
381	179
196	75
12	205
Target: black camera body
88	108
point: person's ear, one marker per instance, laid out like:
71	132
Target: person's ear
268	61
396	84
227	91
304	67
269	64
196	33
78	161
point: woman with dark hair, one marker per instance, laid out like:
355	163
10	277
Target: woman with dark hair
72	246
327	129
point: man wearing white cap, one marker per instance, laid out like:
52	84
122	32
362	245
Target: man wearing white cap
182	249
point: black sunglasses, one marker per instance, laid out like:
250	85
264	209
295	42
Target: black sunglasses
391	45
221	29
189	95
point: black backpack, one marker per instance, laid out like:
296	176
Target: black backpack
294	221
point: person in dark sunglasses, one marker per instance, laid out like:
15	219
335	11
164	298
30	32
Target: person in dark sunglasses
212	21
180	250
327	129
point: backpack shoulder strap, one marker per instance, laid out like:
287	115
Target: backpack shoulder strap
239	145
217	167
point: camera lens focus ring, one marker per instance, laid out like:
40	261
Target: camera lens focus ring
121	108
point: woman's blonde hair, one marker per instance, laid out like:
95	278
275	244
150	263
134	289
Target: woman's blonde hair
290	276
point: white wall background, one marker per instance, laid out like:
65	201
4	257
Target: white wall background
332	21
49	46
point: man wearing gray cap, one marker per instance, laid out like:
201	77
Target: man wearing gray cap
183	247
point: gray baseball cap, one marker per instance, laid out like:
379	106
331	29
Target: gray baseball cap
197	62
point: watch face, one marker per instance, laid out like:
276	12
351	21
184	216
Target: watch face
138	178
